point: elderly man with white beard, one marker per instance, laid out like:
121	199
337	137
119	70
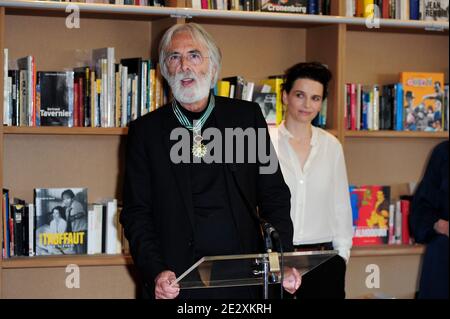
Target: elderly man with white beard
178	212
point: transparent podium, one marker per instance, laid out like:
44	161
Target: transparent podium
249	270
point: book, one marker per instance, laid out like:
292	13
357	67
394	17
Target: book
423	100
95	222
370	208
285	6
56	98
275	83
435	10
27	68
20	222
103	60
268	103
61	221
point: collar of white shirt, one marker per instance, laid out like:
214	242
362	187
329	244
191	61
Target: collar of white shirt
285	133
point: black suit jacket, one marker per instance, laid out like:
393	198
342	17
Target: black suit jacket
430	203
158	212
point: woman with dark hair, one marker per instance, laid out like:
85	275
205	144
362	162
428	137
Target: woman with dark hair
313	166
58	223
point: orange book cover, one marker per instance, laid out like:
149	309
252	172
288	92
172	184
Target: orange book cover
423	101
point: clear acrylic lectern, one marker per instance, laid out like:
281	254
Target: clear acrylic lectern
249	270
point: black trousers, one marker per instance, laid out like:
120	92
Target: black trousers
326	281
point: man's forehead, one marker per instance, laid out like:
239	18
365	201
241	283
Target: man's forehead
184	41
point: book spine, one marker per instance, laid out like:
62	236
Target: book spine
414	9
31	228
405	207
399	106
17	228
70	97
6	93
398	223
313	7
391	224
111	227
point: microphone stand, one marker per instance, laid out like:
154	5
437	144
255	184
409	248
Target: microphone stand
268	244
270	263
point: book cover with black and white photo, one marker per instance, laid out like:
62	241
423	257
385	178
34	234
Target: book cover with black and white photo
56	98
435	10
268	103
61	221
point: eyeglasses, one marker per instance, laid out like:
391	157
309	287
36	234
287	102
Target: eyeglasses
193	58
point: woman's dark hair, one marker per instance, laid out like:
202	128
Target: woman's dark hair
61	210
307	70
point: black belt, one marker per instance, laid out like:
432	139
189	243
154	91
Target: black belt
313	247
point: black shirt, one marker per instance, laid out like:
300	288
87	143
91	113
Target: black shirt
215	230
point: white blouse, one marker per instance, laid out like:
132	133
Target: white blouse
320	200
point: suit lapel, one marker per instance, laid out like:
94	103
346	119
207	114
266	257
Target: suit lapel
181	170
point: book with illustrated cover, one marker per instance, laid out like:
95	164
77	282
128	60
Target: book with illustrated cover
423	101
370	207
55	96
61	221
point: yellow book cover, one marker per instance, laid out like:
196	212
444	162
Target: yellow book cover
223	88
152	91
276	84
93	97
423	100
368	8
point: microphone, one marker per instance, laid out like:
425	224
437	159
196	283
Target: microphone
270	231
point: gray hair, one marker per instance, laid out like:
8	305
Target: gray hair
199	34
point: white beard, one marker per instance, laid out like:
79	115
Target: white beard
200	90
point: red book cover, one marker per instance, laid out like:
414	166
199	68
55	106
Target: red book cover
405	207
348	94
385	10
370	214
353	107
80	102
76	97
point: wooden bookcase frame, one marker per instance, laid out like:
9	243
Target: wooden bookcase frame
326	39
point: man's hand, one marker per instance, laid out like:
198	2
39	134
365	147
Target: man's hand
292	280
163	286
441	227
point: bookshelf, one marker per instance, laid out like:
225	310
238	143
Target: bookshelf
66	130
93	157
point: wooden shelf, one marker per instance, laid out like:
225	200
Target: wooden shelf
63	261
51	130
387	250
398	134
117	260
150	13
